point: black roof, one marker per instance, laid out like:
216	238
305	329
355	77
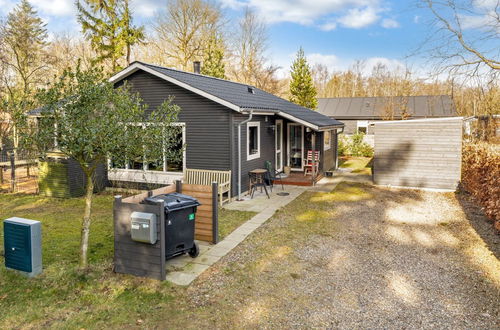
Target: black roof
427	106
241	96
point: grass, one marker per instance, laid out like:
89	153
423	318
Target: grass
62	297
229	220
360	165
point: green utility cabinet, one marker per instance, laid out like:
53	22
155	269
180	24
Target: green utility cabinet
23	245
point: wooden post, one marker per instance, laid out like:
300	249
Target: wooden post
313	147
161	218
215	212
12	171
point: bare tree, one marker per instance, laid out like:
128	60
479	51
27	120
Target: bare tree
465	35
250	64
68	52
183	33
321	76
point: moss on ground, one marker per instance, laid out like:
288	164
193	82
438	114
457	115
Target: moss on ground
360	165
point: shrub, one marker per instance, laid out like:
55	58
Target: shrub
354	146
343	145
480	176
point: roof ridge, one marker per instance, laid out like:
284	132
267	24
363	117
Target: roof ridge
194	74
379	97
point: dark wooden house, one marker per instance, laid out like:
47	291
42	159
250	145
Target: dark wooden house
213	112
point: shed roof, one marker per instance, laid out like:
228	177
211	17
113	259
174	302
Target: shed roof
427	106
237	96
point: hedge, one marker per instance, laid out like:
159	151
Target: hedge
481	176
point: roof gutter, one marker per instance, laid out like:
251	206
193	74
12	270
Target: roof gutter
250	115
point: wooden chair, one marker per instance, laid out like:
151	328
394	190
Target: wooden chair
308	162
206	177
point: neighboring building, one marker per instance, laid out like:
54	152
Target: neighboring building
211	110
357	112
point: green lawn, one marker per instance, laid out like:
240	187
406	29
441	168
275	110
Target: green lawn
229	220
63	297
361	165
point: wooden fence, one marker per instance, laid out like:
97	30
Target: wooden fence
148	260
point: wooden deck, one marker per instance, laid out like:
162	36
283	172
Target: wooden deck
298	179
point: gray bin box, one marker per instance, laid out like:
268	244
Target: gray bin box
23	245
143	227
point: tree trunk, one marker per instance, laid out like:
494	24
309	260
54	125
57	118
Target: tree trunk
84	243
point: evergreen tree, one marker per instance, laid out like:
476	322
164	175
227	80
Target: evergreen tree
213	64
24	40
108	25
302	90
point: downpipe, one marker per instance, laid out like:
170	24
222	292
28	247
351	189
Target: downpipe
239	151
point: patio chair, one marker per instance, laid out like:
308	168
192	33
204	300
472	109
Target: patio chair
308	163
273	175
256	181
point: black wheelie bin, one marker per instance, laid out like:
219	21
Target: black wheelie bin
180	213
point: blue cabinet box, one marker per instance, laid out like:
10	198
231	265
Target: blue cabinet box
23	245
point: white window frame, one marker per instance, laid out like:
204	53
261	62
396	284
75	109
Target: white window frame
144	164
328	145
362	123
256	155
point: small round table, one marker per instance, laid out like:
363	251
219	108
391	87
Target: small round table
257	179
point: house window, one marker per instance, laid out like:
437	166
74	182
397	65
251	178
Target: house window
362	126
170	161
253	140
327	138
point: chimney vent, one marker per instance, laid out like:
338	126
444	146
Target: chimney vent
196	67
250	90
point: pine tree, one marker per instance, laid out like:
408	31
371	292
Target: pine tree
24	42
302	90
213	64
108	26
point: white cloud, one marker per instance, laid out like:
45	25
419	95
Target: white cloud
389	23
328	26
55	7
416	19
335	63
147	8
321	13
358	18
330	61
391	64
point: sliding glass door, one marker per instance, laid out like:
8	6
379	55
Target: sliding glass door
279	145
295	146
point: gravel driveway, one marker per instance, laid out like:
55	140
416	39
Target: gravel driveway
359	257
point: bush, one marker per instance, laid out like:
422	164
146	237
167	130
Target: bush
354	146
343	145
480	176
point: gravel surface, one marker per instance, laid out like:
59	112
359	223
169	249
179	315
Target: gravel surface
361	257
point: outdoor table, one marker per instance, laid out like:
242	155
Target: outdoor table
260	180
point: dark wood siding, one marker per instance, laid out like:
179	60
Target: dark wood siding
418	154
267	147
207	122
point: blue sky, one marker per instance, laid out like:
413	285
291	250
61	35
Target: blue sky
333	32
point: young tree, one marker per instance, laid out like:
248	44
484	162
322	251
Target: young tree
109	27
184	31
94	122
213	58
302	90
23	55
